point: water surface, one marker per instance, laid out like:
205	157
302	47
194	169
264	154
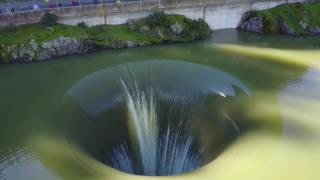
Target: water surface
277	134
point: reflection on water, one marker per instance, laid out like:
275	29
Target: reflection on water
170	79
303	58
281	114
299	101
20	163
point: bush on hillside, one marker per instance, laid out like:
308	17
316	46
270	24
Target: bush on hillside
11	27
201	28
49	19
158	19
82	25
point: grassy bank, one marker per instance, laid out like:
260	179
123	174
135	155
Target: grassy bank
155	29
295	19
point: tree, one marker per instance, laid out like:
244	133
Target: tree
251	5
204	5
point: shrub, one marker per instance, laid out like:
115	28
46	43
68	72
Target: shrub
82	25
269	27
11	27
49	19
252	14
158	19
200	27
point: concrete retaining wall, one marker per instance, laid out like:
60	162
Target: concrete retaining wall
219	14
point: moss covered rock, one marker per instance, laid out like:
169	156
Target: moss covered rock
292	19
170	28
39	42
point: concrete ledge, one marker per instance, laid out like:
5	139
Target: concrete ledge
219	14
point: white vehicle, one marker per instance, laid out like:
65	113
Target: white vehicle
36	7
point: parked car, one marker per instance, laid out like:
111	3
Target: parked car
36	7
75	3
26	8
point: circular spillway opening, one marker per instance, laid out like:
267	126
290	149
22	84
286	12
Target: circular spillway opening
155	118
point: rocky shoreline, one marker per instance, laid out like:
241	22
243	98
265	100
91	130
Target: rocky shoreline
60	46
291	19
62	40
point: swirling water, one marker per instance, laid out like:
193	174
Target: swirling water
273	131
164	142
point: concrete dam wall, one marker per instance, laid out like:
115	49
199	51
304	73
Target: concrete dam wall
219	14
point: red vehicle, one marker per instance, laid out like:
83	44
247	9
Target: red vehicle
75	3
52	4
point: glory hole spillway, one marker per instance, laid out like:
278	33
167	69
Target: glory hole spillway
232	113
154	118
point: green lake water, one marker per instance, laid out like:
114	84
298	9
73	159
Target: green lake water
277	123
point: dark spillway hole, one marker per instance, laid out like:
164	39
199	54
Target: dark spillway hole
194	125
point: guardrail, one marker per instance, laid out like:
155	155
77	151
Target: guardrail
107	12
35	5
9	7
